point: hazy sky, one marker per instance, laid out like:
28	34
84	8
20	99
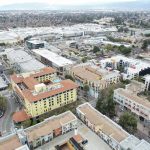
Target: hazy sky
61	2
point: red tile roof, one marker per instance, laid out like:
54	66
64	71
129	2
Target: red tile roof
66	85
20	116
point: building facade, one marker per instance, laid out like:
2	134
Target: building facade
95	77
41	92
40	133
113	134
136	104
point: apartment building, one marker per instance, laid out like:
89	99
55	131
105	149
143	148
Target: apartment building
40	133
132	67
128	98
41	91
94	76
109	131
147	82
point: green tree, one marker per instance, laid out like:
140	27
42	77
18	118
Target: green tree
101	104
145	44
84	59
67	76
86	89
96	49
128	122
26	123
105	103
3	104
124	50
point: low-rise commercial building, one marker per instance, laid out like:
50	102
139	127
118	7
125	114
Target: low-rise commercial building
108	130
21	61
94	76
40	133
128	98
34	44
52	59
41	91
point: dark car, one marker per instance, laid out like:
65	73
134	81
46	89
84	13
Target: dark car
84	142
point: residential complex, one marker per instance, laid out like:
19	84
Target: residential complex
128	98
94	76
147	82
41	91
108	130
132	67
41	133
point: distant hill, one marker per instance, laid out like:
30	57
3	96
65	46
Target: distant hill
25	6
133	5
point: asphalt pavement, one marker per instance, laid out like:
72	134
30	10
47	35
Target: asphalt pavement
6	123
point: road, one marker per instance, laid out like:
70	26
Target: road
6	123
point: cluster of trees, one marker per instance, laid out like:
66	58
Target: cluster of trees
128	122
106	106
84	59
122	49
117	39
145	44
96	49
105	103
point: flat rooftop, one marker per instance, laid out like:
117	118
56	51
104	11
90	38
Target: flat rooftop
135	144
35	42
103	123
92	72
24	60
53	57
50	124
133	97
94	141
11	142
135	86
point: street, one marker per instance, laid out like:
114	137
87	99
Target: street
6	124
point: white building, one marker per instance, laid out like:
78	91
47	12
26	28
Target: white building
147	82
52	59
22	61
109	131
132	67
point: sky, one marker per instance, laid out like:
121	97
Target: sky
60	2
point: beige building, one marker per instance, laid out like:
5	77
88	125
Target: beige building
40	133
128	98
94	76
113	134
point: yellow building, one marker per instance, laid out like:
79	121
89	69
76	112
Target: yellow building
41	92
